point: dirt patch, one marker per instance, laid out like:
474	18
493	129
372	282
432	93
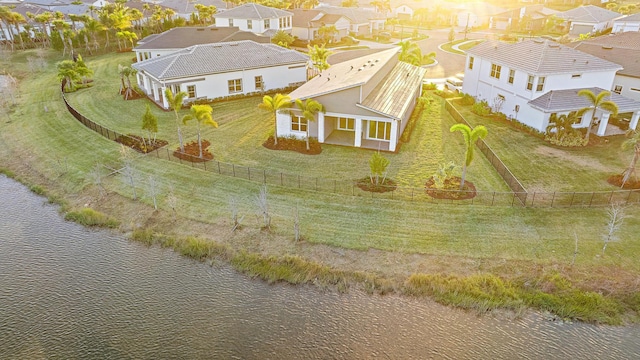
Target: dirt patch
579	161
192	152
384	186
139	144
632	184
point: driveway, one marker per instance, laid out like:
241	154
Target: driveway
448	64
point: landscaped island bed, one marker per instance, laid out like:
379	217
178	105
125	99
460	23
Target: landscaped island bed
473	256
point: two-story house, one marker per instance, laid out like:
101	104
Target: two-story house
220	70
624	49
307	22
367	101
587	19
363	22
256	18
530	80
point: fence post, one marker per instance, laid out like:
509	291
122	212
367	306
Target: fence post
205	165
514	199
610	197
233	167
264	176
628	197
572	196
249	172
219	172
298	181
493	198
281	183
334	186
316	184
591	200
411	194
553	198
533	198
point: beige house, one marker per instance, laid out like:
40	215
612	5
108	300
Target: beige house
367	101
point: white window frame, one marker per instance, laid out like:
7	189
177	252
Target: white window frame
345	123
299	123
234	86
495	71
512	75
259	82
250	24
471	62
530	80
230	22
386	130
267	24
541	81
191	91
617	89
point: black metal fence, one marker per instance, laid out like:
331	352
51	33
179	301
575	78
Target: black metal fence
519	197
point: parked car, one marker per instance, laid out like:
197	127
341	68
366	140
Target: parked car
453	84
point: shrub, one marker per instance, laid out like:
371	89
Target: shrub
467	100
429	86
567	141
90	217
481	108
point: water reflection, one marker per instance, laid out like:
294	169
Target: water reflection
68	292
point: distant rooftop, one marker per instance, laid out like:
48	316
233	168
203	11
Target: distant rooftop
588	14
622	48
541	57
182	37
253	11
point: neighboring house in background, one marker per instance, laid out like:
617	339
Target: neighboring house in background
306	24
367	101
363	22
256	18
184	8
530	80
221	70
528	18
626	23
587	19
623	49
179	38
473	14
404	11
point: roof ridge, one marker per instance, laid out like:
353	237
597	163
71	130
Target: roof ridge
166	68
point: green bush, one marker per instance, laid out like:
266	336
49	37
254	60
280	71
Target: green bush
481	108
90	217
467	100
429	86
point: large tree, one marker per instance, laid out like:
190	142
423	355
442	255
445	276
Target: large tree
202	114
175	103
274	104
632	143
470	138
597	102
308	110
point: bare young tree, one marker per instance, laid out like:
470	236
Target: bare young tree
154	190
95	176
127	169
263	207
616	217
296	224
172	202
233	206
498	103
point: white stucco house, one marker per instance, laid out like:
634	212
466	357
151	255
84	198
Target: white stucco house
405	10
363	21
221	70
179	38
626	23
306	24
587	19
367	101
256	18
530	80
624	49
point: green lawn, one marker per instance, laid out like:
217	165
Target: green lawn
541	166
243	127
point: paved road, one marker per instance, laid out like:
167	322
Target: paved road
448	64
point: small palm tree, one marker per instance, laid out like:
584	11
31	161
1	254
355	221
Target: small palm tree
410	53
319	56
274	104
597	102
202	115
68	74
563	124
470	138
632	143
175	104
309	108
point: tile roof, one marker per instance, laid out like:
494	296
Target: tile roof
569	100
395	94
632	17
217	58
252	11
541	57
358	16
343	56
588	14
622	48
302	17
182	37
344	75
188	6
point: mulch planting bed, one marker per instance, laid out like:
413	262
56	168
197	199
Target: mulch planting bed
293	145
632	184
192	152
138	144
385	186
451	189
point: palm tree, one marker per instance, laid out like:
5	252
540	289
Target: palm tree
632	143
274	104
319	55
597	102
202	115
309	108
175	104
68	75
410	53
470	138
563	124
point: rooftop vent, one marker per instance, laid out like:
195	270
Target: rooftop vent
538	41
200	29
377	60
554	45
607	47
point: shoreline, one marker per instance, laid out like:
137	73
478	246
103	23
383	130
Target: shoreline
467	282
